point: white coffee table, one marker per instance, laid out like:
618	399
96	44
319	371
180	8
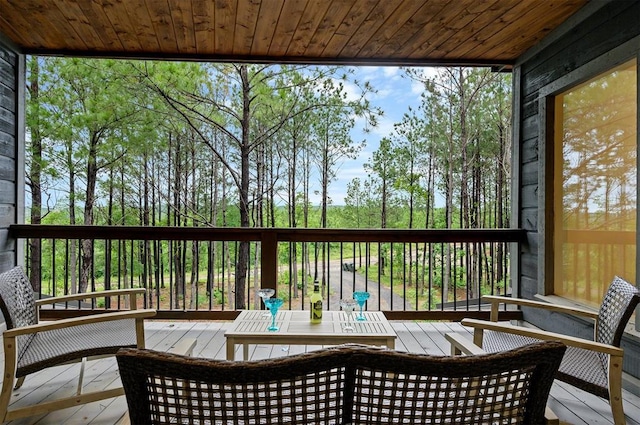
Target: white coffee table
250	327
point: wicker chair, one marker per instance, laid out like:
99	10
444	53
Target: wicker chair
30	346
349	384
594	366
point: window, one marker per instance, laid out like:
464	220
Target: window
595	167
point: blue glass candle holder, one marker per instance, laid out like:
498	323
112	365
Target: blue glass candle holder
273	304
361	297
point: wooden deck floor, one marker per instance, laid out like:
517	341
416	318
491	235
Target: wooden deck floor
571	405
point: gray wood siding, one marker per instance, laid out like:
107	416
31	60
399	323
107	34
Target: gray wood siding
611	26
11	105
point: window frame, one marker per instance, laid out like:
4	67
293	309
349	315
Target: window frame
546	157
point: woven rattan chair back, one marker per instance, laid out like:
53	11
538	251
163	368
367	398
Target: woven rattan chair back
16	299
342	385
30	347
616	309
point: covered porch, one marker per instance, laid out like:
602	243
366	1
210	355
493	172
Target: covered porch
549	47
571	405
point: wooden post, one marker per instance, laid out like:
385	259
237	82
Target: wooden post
269	260
494	311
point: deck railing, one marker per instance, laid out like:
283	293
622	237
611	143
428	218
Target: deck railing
190	272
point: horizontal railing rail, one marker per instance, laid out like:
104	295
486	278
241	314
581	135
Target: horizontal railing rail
436	274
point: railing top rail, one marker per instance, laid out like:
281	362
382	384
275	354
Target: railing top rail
258	234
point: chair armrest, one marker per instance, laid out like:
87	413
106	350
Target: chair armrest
544	335
85	295
496	299
462	345
77	321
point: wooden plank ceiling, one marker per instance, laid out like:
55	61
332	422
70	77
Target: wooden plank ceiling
452	32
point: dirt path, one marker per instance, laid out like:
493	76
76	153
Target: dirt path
380	298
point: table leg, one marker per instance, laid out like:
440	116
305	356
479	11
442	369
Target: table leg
391	343
231	348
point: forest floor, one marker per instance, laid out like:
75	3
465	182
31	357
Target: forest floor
381	298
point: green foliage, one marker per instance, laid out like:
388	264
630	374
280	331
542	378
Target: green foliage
203	298
230	145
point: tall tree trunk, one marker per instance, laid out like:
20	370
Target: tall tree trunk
292	185
501	199
178	246
211	256
259	215
148	200
306	255
73	254
107	253
226	254
446	278
35	176
123	257
193	279
245	152
92	179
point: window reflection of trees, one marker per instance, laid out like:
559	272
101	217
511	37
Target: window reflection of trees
599	167
599	146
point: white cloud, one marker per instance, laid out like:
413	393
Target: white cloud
391	71
417	87
352	91
367	71
384	127
382	93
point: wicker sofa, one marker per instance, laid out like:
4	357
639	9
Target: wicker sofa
348	384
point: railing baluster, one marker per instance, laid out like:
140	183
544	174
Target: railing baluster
53	267
407	263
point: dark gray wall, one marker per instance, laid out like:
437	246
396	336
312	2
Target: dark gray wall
603	34
11	156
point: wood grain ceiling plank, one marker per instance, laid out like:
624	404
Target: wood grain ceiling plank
78	20
225	19
122	25
45	17
182	16
246	26
522	45
144	28
454	26
398	25
332	29
331	21
417	30
162	21
15	26
480	40
100	22
290	16
307	26
268	16
528	28
349	26
101	25
204	25
374	20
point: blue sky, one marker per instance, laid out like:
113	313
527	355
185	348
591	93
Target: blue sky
395	94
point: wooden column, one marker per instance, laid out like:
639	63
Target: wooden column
269	260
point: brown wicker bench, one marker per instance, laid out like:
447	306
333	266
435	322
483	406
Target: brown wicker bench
342	385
